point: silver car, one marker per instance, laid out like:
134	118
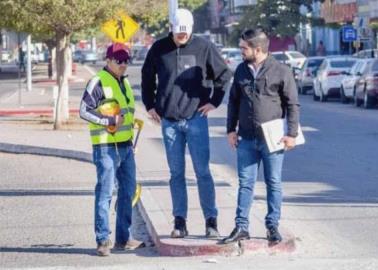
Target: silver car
307	73
348	83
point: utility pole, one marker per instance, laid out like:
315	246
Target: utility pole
28	66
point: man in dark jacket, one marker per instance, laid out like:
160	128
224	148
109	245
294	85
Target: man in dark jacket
185	66
263	90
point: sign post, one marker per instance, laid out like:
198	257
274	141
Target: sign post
173	6
349	34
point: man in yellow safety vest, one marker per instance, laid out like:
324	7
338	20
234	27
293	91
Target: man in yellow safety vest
108	106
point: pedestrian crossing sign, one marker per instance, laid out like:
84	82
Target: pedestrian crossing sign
121	28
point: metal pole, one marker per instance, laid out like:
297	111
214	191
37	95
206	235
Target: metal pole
29	71
19	68
173	6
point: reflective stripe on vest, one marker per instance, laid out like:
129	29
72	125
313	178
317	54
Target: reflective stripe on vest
103	130
111	89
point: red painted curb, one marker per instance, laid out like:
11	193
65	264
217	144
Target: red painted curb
31	111
254	245
177	249
198	246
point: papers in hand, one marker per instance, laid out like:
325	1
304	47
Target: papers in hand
275	130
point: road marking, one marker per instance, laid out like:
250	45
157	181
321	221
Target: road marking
309	129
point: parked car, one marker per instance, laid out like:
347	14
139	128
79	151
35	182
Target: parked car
305	80
5	56
366	93
369	53
232	57
293	59
329	75
84	56
348	83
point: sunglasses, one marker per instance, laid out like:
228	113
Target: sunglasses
120	62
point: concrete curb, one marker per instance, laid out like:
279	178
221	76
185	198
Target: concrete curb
35	111
45	151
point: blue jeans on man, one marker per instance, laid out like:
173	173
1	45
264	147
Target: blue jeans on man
250	153
193	132
114	164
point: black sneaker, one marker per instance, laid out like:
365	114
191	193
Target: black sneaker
179	230
273	236
212	228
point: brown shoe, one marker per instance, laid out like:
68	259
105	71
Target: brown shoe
103	248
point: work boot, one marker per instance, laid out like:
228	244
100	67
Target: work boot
212	228
103	248
179	230
273	236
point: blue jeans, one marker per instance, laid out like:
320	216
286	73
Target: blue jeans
112	166
195	133
249	155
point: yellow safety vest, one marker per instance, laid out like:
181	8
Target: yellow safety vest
111	89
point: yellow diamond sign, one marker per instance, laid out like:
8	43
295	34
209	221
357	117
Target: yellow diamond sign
121	28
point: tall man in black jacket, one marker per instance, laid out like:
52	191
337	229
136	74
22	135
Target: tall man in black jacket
263	90
184	65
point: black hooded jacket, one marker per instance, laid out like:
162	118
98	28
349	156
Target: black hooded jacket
176	81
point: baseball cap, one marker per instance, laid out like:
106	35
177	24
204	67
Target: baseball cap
118	51
182	21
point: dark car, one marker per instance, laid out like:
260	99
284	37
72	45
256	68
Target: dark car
366	93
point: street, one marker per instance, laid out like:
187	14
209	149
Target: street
330	199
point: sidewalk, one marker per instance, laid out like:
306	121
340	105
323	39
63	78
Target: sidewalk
28	129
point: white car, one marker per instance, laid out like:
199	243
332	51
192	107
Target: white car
292	58
329	75
306	75
232	57
348	83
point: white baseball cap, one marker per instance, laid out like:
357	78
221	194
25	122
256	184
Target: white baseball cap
182	21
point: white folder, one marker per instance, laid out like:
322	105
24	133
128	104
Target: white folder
275	130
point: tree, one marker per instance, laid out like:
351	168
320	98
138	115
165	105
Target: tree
277	17
61	18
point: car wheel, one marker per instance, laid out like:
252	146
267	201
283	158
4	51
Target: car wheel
357	102
343	98
304	91
368	101
323	97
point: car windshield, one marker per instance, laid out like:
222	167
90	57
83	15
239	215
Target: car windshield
342	63
296	55
280	57
313	63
